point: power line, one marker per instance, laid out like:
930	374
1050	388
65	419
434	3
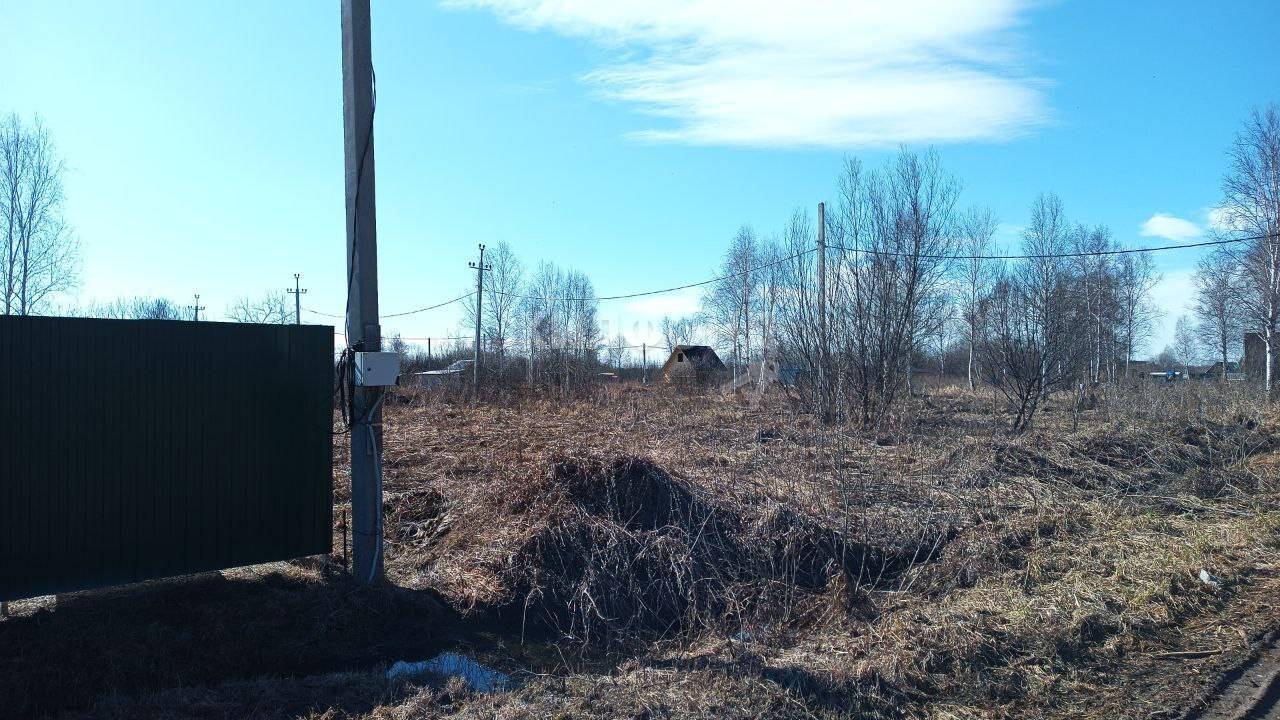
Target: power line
400	314
802	253
628	296
430	307
415	339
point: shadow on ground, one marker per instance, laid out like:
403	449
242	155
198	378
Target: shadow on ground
288	620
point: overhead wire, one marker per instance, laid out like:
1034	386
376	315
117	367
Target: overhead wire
802	253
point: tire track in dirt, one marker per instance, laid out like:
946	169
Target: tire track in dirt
1250	692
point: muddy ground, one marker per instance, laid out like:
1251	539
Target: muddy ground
644	554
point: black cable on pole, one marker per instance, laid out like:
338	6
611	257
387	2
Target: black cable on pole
355	200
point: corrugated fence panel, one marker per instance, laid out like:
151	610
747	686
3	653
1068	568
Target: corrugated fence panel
139	449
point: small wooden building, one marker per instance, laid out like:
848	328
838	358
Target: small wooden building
693	365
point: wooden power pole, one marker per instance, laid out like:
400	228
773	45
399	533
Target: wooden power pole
363	331
480	268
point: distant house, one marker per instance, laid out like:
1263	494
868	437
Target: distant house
1214	371
1154	372
1141	368
693	365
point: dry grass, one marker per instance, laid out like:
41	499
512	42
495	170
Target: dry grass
667	556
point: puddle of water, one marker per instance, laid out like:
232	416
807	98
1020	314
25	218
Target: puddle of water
451	664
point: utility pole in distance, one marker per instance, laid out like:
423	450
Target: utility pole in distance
195	309
297	292
822	312
363	331
480	269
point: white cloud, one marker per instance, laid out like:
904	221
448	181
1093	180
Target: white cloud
835	73
1170	227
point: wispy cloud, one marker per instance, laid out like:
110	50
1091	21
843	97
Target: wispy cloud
1170	227
1220	219
834	73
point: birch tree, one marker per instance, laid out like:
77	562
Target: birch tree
1217	306
977	230
1251	208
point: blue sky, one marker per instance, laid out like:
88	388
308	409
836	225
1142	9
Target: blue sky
626	139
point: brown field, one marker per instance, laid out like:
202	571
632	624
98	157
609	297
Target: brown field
641	554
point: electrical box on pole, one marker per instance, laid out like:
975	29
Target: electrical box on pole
377	369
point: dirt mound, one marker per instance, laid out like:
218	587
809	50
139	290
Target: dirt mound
602	550
636	553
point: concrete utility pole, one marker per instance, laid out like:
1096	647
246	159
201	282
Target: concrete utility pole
363	331
297	292
195	309
822	312
480	269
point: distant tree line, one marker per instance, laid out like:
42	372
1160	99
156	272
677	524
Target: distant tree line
538	328
913	280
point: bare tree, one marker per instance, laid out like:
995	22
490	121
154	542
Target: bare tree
39	256
1251	208
1094	280
1135	278
503	287
977	230
1185	344
617	351
1217	306
769	274
797	320
729	304
895	235
1040	276
271	309
136	308
560	316
1020	359
677	332
1166	358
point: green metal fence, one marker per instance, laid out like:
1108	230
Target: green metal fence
139	449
